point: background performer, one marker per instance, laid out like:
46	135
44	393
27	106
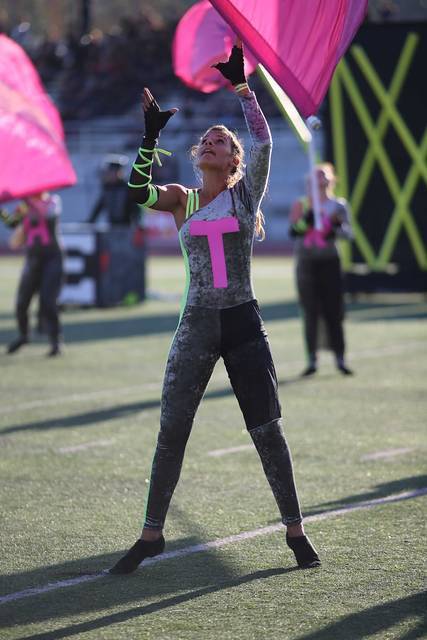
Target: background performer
318	268
35	221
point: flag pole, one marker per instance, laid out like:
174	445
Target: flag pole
313	181
303	131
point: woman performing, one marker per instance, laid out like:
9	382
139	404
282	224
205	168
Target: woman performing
220	316
318	269
35	222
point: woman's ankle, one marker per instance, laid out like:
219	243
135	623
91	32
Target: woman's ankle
150	535
295	530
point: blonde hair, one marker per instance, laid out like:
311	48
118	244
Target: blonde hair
236	173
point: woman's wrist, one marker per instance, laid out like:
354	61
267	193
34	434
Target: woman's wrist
149	141
242	89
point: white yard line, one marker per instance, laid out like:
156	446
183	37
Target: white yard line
388	312
377	455
389	350
85	445
224	452
388	453
219	378
216	544
79	397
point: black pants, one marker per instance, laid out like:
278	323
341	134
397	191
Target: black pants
44	275
320	291
238	336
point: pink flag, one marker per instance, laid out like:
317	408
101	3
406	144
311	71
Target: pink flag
33	156
202	39
300	42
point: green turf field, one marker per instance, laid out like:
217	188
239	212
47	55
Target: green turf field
77	438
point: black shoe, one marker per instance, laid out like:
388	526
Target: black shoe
305	554
141	549
345	370
311	370
17	344
55	350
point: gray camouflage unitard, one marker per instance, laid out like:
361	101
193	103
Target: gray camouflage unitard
220	318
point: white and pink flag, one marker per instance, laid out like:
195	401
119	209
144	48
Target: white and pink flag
299	42
33	156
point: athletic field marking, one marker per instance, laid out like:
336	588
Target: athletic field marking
390	350
388	453
85	445
224	452
80	397
156	386
393	312
216	544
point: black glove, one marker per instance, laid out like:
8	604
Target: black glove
308	217
302	225
294	231
234	69
336	223
330	235
155	120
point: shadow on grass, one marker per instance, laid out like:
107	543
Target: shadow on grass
159	587
119	328
153	588
382	490
7	316
145	610
91	418
381	618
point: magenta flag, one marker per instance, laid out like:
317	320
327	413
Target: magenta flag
203	38
33	156
299	42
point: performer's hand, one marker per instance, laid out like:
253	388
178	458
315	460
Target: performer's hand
155	120
10	219
335	220
328	229
234	69
309	218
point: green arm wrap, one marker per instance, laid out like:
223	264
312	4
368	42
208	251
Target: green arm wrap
141	167
147	162
300	226
153	196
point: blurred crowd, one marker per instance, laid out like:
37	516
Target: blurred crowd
101	73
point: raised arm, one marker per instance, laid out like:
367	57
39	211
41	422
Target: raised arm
258	164
162	198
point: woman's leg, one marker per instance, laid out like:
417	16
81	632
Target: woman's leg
331	291
28	285
192	357
50	287
250	367
309	303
